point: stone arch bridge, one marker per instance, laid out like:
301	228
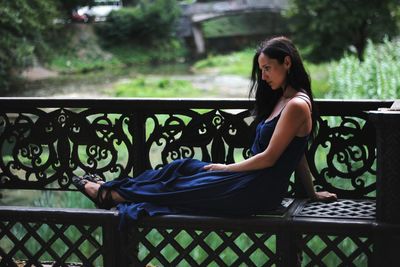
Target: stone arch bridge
193	15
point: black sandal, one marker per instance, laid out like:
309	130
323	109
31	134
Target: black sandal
106	202
79	183
101	202
93	178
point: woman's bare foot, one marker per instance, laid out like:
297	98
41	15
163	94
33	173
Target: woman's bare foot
92	189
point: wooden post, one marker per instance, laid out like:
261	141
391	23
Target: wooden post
387	123
139	141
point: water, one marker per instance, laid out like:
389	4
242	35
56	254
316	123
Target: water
100	84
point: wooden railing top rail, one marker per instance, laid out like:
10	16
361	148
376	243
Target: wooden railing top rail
326	106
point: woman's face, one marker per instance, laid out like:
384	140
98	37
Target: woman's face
273	72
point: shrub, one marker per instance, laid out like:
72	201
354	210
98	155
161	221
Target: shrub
149	21
172	50
375	77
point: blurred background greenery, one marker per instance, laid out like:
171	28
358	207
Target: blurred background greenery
351	48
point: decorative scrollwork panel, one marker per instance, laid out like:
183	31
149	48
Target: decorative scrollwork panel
45	148
342	157
215	136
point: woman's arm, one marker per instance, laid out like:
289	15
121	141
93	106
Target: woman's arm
295	114
303	171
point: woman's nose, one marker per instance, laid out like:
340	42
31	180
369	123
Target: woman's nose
263	76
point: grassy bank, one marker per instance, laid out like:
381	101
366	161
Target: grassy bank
123	61
141	58
155	87
240	63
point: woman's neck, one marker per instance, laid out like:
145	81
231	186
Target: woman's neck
288	92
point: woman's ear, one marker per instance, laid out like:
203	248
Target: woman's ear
287	62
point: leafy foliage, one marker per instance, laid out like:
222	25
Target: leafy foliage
25	25
171	50
329	28
149	21
377	77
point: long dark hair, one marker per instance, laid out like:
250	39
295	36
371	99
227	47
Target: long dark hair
297	77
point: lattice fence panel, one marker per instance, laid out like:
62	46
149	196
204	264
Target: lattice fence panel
48	244
184	247
327	250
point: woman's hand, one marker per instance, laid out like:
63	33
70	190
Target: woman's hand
324	196
216	167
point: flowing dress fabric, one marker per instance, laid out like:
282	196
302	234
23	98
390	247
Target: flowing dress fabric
183	186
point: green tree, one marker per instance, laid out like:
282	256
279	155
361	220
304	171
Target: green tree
326	28
129	2
25	25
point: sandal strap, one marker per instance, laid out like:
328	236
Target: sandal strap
79	182
105	201
93	177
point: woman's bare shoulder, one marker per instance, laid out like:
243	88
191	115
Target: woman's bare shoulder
298	106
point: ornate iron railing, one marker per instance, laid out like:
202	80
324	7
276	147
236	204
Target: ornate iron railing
43	142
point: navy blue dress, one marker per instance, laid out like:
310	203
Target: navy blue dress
183	186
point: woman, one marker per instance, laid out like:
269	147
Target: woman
284	112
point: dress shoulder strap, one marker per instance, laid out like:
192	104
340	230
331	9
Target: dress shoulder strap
303	96
306	98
